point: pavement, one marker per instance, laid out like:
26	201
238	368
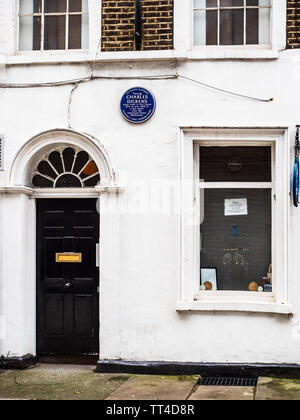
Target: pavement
70	382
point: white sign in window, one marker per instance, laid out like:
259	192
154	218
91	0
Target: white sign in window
236	207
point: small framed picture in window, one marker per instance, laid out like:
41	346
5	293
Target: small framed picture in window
208	279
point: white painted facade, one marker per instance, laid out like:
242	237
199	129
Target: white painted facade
150	307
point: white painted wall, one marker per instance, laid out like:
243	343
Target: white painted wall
140	249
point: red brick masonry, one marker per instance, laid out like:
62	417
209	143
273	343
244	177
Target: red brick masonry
118	25
293	23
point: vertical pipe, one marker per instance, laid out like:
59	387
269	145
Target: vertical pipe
138	25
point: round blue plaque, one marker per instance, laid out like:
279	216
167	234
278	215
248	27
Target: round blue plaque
138	105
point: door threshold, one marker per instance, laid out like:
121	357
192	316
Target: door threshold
81	359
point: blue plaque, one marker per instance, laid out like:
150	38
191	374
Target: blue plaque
138	105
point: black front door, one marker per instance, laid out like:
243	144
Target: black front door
67	289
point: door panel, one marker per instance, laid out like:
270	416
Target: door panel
54	314
67	296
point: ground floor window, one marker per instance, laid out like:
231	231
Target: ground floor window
235	220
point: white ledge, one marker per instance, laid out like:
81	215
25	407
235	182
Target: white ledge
37	57
207	53
56	192
42	57
233	306
11	189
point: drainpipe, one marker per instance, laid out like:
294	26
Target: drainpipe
138	25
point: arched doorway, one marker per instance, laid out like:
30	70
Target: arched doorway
55	182
67	263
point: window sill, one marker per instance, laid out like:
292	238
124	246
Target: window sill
37	57
220	53
62	192
233	306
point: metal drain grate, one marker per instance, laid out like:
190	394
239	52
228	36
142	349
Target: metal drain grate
215	381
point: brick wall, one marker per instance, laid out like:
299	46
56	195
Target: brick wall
118	17
157	24
118	25
293	23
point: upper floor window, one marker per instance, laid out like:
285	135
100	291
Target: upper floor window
231	22
53	24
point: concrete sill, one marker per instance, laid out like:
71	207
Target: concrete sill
233	306
232	54
62	192
89	57
125	56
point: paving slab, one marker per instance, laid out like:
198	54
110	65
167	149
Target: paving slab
223	393
58	383
277	389
145	387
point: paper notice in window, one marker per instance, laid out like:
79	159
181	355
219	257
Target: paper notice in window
236	207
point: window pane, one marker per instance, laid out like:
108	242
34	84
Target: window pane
75	5
232	27
81	160
90	169
231	3
206	27
212	27
258	2
55	32
264	27
78	25
40	181
252	25
74	32
85	32
30	6
200	27
68	156
56	161
54	6
235	238
85	6
45	169
68	181
92	182
235	164
201	4
29	33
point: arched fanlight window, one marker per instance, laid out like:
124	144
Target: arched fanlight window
66	167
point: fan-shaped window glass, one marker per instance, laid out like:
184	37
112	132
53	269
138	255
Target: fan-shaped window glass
66	167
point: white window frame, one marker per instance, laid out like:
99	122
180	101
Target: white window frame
183	36
94	37
189	296
244	7
44	14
